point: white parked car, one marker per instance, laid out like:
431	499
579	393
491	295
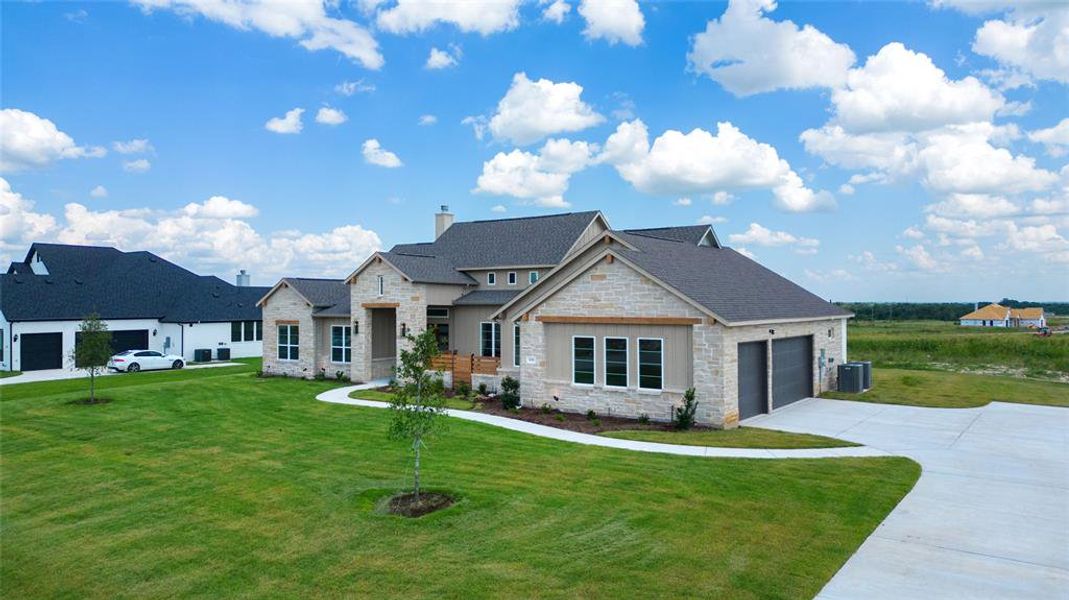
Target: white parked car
133	361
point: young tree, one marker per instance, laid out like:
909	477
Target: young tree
92	349
418	406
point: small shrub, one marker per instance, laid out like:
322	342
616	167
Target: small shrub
463	389
260	373
482	388
546	409
683	416
321	375
560	417
595	422
341	375
591	415
644	419
510	393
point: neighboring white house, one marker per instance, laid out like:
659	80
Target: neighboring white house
996	315
146	302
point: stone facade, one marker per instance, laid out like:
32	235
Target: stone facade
286	306
411	300
612	289
608	290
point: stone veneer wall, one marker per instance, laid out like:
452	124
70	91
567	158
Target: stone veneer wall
412	311
287	305
615	290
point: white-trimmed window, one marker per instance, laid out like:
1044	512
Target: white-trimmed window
490	338
532	277
341	344
289	340
491	279
650	363
583	360
246	331
515	344
512	277
382	285
616	362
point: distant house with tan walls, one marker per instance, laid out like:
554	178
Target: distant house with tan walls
621	322
996	315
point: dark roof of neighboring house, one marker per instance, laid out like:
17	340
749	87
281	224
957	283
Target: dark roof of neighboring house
727	283
691	234
486	298
524	241
329	297
423	268
119	285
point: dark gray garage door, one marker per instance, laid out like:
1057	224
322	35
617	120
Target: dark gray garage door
753	379
123	340
792	370
41	351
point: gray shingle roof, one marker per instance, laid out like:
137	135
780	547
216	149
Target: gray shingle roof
427	269
727	283
691	234
329	297
120	285
486	298
541	240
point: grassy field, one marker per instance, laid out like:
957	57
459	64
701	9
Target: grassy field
4	374
743	437
208	483
946	346
955	390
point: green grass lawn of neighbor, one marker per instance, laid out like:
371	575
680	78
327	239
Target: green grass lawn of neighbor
948	346
207	483
455	402
4	374
943	389
743	437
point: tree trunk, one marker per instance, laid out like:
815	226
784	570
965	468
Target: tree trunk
417	445
92	386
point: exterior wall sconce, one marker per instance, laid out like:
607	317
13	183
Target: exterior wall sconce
153	333
829	333
16	338
771	332
404	330
356	327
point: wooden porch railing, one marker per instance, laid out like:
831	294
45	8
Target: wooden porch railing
461	366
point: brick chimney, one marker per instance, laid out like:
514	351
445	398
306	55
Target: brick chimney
442	221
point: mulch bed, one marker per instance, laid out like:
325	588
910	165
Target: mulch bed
406	505
573	421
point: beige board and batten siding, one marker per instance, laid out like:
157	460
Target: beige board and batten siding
324	345
676	351
464	323
286	307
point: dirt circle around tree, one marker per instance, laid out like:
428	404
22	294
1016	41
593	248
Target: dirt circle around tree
406	505
87	402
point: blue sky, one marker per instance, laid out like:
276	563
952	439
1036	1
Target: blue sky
868	151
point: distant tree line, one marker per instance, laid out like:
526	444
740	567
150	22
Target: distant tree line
939	311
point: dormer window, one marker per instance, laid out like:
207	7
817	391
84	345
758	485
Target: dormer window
382	285
491	279
532	277
512	277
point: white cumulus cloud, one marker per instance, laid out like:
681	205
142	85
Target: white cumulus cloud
290	123
426	120
748	53
28	141
615	21
763	236
473	16
539	178
442	59
375	154
99	192
330	116
306	21
532	110
140	165
701	162
1055	138
348	88
135	146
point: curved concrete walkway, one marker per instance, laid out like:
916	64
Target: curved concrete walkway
341	396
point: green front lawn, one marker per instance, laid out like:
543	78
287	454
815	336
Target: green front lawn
955	390
743	437
4	374
457	403
207	483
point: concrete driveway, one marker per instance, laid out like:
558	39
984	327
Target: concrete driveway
57	374
989	517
